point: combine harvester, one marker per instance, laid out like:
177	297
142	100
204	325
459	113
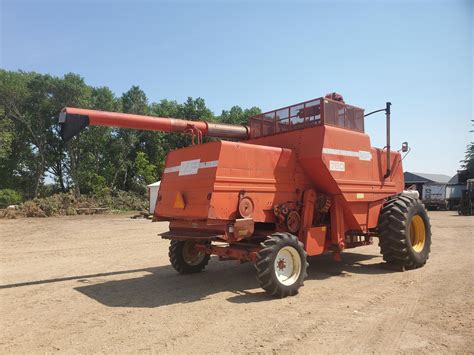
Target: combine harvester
299	181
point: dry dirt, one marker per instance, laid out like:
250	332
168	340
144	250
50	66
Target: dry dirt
103	284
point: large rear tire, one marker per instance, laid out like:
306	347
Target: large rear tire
185	258
281	265
404	232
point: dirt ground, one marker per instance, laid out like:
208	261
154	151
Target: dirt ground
104	284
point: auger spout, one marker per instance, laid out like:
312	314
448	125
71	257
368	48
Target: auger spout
74	120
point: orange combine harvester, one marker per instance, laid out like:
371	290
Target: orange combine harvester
299	181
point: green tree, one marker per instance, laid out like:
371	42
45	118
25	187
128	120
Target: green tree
126	142
65	160
102	98
135	101
238	116
158	144
195	110
24	101
145	172
7	134
467	164
96	164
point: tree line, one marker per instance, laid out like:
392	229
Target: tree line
100	159
32	153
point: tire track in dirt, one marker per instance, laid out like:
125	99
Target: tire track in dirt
365	331
392	324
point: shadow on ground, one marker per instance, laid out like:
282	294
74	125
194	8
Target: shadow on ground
163	286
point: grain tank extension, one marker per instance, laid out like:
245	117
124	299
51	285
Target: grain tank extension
298	181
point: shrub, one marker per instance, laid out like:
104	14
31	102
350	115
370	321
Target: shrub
9	197
63	204
47	190
31	209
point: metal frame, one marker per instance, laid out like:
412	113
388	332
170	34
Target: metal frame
270	122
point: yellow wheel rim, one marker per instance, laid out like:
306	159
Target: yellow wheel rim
417	233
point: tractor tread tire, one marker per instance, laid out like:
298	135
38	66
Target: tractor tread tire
394	225
179	264
266	260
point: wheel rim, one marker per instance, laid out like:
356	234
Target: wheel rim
191	256
417	233
287	265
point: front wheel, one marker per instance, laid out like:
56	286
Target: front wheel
281	265
404	232
185	258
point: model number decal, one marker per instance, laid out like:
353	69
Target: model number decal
190	167
335	165
361	154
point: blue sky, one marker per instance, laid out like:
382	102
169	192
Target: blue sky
416	54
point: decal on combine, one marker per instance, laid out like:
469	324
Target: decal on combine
190	167
361	154
335	165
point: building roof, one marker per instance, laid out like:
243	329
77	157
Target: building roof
423	177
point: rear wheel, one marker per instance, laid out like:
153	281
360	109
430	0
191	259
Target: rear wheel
185	258
281	265
404	232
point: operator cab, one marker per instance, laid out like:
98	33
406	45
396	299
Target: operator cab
328	110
